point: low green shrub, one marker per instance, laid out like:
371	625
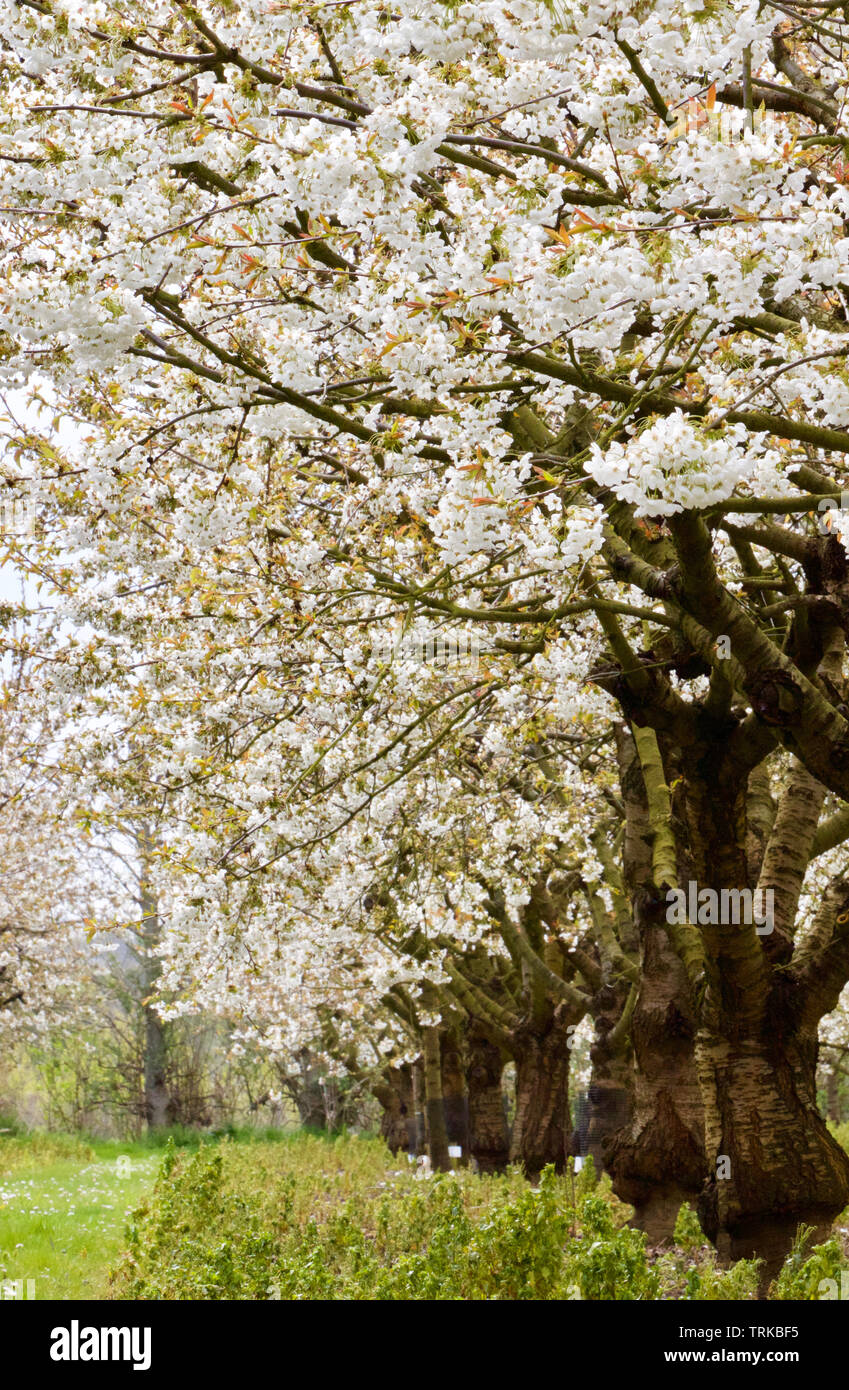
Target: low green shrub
807	1267
310	1218
194	1240
455	1237
609	1262
688	1234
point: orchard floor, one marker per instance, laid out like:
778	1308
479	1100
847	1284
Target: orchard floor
300	1216
63	1207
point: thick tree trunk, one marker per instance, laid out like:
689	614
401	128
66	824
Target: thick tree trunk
397	1123
455	1103
308	1093
611	1102
611	1092
310	1103
489	1137
772	1161
658	1161
743	1016
437	1134
542	1127
418	1128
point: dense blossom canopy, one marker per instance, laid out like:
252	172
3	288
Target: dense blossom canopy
408	320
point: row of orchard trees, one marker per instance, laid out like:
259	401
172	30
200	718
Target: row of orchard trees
388	324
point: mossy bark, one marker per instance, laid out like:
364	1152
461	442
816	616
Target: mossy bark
437	1133
542	1126
397	1123
489	1138
455	1101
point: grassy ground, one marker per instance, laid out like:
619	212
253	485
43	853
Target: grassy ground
271	1215
316	1219
64	1203
63	1206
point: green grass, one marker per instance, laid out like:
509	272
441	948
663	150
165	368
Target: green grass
270	1214
63	1206
64	1202
344	1219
